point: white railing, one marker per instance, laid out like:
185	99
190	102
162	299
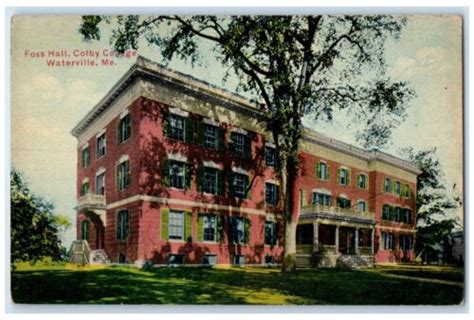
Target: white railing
91	200
337	211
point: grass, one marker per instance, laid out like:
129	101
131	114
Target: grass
384	285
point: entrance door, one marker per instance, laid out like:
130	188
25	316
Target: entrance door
346	240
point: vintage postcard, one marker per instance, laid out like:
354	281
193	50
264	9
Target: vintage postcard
240	159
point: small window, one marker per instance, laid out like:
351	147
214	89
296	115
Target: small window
270	233
101	146
362	206
322	171
343	203
405	242
211	136
406	215
85	224
209	259
122	224
176	225
362	181
177	127
85	157
125	128
387	185
321	199
386	212
123	175
238	260
240	184
271	193
176	259
397	187
209	227
122	258
240	144
177	174
343	176
270	156
237	230
387	241
406	192
100	184
210	180
85	188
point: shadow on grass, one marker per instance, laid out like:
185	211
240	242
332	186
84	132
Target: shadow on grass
226	286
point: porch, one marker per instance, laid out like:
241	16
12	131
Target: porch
328	236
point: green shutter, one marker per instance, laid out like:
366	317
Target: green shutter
339	176
220	182
248	193
246	230
129	125
127	225
367	181
166	124
165	212
349	174
327	172
220	139
200	178
200	133
220	228
188	226
392	186
189	130
127	173
200	228
188	176
165	172
318	170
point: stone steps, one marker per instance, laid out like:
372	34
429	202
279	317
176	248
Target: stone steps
99	256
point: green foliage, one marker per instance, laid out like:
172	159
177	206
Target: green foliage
433	202
35	230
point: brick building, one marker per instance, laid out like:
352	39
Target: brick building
173	170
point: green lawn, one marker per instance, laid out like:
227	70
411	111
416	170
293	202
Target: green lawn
384	285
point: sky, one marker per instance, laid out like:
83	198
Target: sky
47	102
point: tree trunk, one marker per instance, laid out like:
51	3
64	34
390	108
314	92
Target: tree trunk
290	215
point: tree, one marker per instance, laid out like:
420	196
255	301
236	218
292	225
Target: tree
433	204
291	66
35	230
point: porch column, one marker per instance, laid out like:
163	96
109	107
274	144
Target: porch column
337	239
316	236
356	247
372	240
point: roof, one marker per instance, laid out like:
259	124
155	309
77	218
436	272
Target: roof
147	68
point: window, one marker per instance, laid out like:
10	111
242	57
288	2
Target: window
209	227
397	187
100	183
405	242
176	225
240	183
123	175
321	198
344	177
211	136
210	180
238	260
240	144
387	241
85	188
176	259
209	259
386	212
237	230
387	185
125	128
85	230
101	146
176	127
271	193
406	192
322	171
362	181
397	214
406	215
270	156
177	174
343	203
362	206
122	225
85	157
270	233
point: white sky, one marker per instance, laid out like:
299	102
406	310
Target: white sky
48	102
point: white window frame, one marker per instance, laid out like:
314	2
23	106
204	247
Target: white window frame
209	222
211	140
99	175
181	175
180	224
